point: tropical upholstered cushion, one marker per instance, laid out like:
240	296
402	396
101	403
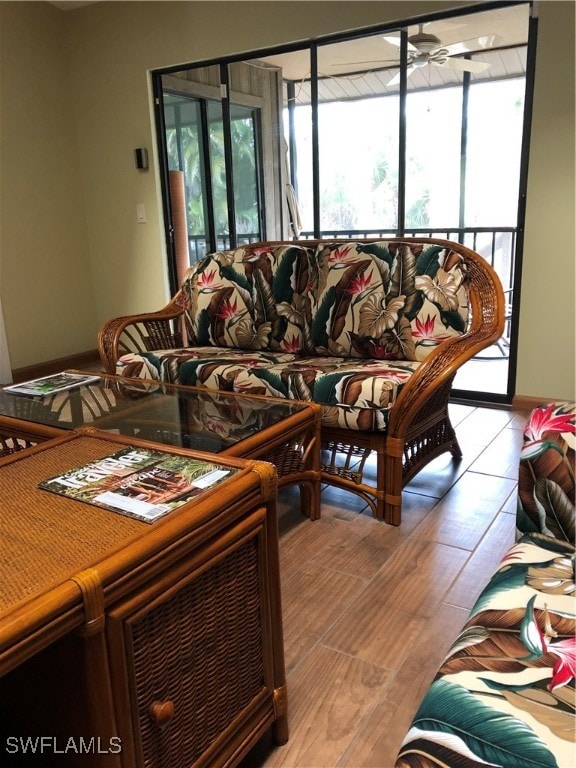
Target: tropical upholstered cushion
546	473
250	298
210	367
386	300
354	393
504	695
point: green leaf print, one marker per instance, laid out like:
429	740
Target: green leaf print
427	262
495	737
321	319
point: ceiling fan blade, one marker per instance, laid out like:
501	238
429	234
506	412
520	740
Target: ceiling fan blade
396	79
395	40
474	44
369	61
462	65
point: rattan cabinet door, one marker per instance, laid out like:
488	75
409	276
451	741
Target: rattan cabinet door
192	657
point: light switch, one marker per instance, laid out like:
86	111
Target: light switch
140	213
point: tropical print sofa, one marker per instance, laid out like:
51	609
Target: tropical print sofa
352	325
505	695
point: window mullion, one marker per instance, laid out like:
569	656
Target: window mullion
315	141
463	150
226	130
401	223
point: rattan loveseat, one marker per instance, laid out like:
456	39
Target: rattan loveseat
374	331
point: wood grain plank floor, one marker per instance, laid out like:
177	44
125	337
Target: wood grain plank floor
370	610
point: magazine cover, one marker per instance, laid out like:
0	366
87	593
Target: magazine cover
138	482
50	385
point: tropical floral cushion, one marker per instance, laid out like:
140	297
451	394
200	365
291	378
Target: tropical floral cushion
250	298
546	474
355	394
386	300
504	695
212	367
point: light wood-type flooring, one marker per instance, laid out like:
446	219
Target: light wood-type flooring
370	610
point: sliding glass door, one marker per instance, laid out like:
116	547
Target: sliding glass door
417	130
195	146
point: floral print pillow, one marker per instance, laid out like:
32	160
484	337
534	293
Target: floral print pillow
386	300
250	298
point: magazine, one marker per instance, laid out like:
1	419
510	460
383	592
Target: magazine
50	385
138	482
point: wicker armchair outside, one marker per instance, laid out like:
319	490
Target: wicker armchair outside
418	427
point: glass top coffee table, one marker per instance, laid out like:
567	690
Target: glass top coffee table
283	432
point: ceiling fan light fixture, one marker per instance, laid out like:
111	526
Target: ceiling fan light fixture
425	43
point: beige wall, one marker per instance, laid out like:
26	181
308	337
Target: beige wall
46	281
547	325
89	69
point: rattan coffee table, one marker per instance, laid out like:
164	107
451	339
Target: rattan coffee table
283	432
137	644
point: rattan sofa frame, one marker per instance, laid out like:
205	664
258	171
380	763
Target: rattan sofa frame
419	427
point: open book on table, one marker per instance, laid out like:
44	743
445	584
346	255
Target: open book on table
138	482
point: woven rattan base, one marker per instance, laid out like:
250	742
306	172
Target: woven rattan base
160	644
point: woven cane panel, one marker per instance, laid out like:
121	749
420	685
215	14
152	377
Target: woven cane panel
288	459
201	649
10	444
45	538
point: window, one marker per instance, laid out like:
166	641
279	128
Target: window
409	130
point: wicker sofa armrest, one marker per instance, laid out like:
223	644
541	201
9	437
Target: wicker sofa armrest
439	368
141	333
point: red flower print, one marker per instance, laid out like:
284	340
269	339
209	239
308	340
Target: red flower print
379	352
359	284
228	310
339	255
291	345
542	421
206	282
564	669
424	330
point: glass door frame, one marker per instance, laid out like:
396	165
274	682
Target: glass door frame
312	45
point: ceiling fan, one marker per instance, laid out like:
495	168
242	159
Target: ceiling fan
425	48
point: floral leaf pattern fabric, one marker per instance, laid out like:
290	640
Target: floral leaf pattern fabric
250	298
353	393
390	301
505	694
546	474
344	325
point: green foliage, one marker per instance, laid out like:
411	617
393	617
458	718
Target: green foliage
494	737
325	388
273	380
203	329
427	262
509	578
451	318
282	280
152	358
380	253
321	318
